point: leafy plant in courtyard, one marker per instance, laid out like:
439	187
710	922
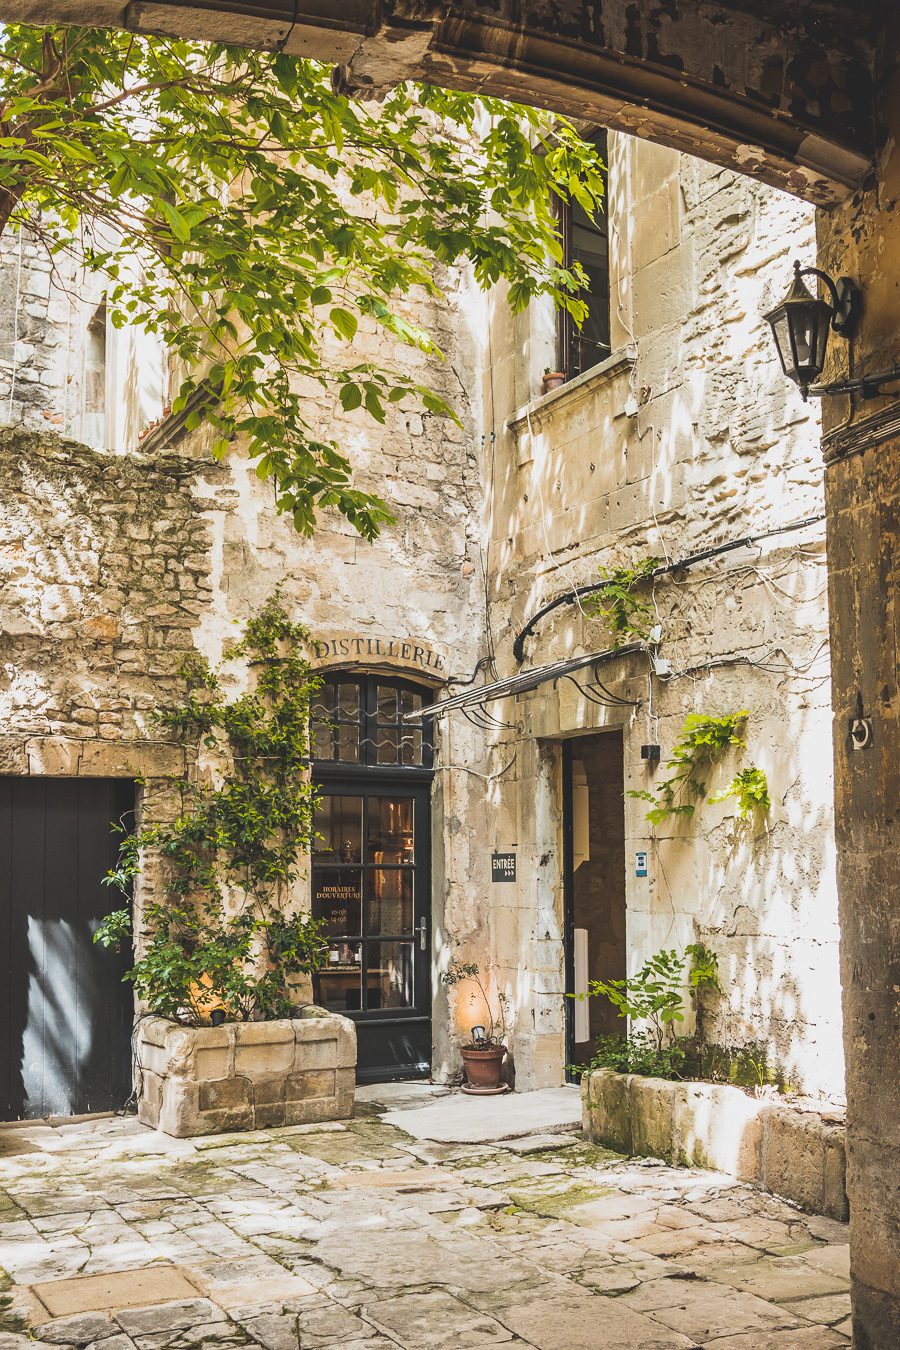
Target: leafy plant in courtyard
223	935
703	972
655	994
638	1054
654	997
703	741
620	604
236	205
458	972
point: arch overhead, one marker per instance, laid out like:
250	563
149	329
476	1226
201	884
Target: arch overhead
780	92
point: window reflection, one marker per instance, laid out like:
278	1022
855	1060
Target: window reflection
390	831
398	741
336	722
364	721
391	904
390	975
338	822
338	985
337	898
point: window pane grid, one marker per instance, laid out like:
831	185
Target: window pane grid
362	722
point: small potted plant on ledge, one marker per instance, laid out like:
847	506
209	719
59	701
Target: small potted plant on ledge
553	379
484	1053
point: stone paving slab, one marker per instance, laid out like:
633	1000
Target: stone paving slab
459	1119
126	1289
372	1236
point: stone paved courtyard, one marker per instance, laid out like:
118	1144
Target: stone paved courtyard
361	1235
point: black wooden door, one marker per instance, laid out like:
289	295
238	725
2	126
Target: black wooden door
371	883
65	1015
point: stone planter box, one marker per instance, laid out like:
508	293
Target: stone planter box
245	1075
713	1125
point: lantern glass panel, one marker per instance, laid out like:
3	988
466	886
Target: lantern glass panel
781	331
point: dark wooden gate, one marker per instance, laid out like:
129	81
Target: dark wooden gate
65	1015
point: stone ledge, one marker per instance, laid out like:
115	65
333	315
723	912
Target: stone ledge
245	1075
582	386
88	757
718	1126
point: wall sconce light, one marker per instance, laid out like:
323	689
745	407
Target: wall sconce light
801	324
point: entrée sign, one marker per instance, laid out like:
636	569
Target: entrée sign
398	651
503	867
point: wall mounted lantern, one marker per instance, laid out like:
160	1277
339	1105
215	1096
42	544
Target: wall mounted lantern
801	324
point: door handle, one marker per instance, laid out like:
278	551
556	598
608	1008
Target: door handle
423	934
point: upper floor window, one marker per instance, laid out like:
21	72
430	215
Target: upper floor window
370	720
586	241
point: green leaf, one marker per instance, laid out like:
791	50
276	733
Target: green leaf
351	397
176	220
344	323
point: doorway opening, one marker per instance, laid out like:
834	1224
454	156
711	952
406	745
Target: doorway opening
371	869
594	886
65	1014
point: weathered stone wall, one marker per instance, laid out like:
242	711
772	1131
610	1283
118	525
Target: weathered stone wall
117	565
863	501
114	566
791	1153
687	437
63	366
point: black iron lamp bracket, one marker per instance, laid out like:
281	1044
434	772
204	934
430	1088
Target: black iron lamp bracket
866	386
846	298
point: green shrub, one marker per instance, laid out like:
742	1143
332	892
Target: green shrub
222	936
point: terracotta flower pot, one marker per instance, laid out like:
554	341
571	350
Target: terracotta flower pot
553	379
483	1066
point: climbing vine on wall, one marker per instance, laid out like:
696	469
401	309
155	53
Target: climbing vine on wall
620	603
703	741
223	936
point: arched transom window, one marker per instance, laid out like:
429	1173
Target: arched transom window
370	721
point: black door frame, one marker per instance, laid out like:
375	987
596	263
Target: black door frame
387	782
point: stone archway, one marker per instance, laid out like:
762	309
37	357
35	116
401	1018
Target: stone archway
810	103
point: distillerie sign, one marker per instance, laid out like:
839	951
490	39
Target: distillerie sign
355	649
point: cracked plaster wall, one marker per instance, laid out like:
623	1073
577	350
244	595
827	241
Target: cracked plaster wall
687	437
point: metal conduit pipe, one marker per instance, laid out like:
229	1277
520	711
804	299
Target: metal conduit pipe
680	565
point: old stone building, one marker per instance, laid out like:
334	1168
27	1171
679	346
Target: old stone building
673	435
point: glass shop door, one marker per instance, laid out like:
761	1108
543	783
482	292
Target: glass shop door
371	883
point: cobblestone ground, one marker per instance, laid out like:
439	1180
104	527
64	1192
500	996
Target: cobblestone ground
357	1235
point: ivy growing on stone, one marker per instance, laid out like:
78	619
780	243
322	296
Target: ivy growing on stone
751	788
704	740
620	605
224	935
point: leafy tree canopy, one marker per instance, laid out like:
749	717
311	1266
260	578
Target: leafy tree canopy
270	214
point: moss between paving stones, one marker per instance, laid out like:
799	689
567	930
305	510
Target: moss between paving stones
556	1203
10	1321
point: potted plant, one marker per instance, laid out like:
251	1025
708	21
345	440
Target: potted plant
553	379
227	1039
484	1052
